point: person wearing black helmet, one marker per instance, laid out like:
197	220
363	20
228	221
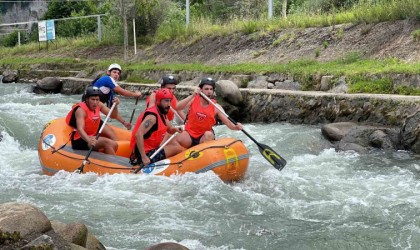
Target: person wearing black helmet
85	118
201	116
168	82
108	86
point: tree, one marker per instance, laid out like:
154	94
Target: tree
284	9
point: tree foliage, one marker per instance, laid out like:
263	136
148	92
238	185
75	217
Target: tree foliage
74	27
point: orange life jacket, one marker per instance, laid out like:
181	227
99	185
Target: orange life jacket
92	119
152	139
200	119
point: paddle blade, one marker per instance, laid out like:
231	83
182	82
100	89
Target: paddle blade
275	159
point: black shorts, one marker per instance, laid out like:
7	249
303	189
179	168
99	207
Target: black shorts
79	144
135	157
196	141
82	144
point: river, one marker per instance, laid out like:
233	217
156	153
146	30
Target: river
322	199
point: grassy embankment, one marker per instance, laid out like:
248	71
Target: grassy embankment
353	66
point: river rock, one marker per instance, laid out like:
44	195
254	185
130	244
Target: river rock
167	246
336	131
74	232
410	132
229	92
29	228
48	85
361	138
9	76
23	218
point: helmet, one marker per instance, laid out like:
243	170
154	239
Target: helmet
114	66
163	94
92	91
207	81
170	79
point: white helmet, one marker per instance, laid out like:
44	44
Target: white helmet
114	66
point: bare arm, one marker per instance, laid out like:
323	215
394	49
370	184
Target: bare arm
127	93
104	109
145	126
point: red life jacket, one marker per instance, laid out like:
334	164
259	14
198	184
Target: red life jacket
92	119
171	114
200	119
152	139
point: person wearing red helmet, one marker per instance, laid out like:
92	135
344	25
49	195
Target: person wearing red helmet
85	118
201	116
150	130
168	82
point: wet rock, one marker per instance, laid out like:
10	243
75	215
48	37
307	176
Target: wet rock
48	85
167	246
336	131
23	218
10	76
42	242
410	132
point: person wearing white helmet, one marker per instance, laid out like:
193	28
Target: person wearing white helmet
108	85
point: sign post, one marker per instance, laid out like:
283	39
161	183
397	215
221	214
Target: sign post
46	31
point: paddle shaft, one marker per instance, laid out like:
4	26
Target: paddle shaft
176	114
134	109
80	169
269	154
157	151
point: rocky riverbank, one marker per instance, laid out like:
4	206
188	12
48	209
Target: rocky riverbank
24	226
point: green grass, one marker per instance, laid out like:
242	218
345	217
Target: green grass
416	35
365	12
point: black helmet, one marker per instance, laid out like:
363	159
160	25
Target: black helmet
207	81
92	91
170	79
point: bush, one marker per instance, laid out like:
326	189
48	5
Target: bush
11	40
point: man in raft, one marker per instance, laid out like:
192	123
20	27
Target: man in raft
167	82
85	117
109	86
201	116
150	129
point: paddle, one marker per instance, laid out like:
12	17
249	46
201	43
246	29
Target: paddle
176	114
269	154
80	169
156	152
135	105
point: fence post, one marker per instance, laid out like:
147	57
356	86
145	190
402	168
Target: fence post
99	28
187	12
270	9
134	32
19	38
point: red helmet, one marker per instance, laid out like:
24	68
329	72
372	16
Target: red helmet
163	94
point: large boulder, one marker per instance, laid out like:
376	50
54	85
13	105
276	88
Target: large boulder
48	85
9	76
167	246
410	132
23	218
229	92
361	138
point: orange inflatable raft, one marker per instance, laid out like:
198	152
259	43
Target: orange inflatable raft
227	157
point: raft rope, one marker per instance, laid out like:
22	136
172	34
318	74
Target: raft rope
53	149
179	163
